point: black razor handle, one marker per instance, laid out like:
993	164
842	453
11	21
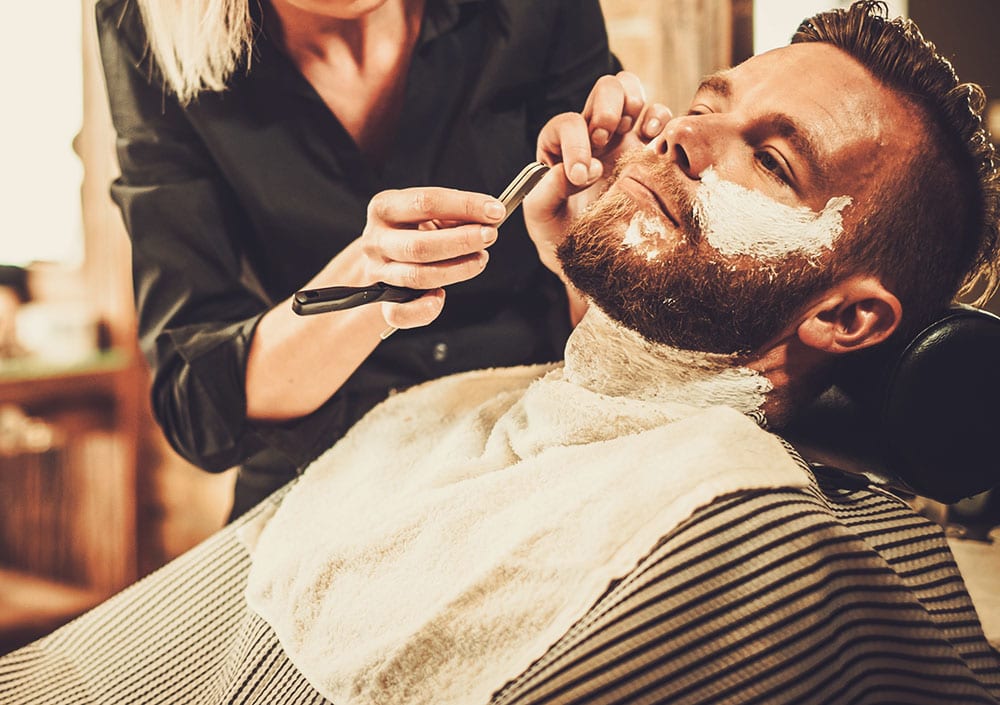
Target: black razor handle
338	298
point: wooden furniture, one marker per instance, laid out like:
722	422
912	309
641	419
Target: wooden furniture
68	501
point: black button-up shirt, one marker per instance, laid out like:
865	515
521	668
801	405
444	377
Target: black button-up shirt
236	200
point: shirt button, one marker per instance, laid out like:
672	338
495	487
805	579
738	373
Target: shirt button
440	352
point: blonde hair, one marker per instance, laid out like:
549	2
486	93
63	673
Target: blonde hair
197	44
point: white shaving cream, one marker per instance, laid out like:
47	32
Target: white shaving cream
644	234
738	221
606	357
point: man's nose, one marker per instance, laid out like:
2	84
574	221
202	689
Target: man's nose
685	140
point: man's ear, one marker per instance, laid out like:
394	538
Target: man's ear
856	313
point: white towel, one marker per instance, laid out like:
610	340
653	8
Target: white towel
463	526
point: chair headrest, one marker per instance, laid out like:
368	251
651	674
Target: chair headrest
923	413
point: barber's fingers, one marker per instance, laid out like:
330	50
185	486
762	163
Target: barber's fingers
431	275
546	204
428	245
650	124
616	117
426	238
413	206
404	244
653	120
414	314
573	138
565	139
613	106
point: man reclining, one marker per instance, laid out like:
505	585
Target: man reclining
620	527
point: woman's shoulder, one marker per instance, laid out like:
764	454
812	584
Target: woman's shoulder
123	20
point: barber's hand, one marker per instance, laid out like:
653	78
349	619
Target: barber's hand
426	238
583	148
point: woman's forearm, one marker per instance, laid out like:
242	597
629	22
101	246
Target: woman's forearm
296	363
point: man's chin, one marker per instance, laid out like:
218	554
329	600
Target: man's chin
618	290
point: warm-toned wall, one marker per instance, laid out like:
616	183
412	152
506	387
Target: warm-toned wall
177	504
671	45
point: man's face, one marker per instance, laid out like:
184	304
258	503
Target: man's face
718	233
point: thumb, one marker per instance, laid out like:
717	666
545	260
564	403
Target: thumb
548	200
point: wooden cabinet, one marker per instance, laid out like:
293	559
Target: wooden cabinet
68	499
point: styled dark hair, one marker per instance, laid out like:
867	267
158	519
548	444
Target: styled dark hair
937	235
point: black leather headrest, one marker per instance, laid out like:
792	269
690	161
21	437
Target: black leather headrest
925	413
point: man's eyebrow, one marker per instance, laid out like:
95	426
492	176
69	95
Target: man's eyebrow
801	141
780	124
717	83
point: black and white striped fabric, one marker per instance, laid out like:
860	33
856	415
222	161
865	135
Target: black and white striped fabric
838	594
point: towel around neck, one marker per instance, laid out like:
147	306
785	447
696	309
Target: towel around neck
462	527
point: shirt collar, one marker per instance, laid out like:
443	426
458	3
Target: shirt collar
268	63
441	16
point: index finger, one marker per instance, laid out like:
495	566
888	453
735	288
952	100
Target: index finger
565	139
635	100
613	106
420	204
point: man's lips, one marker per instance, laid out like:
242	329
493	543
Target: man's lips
631	181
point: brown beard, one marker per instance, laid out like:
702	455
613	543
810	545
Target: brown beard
692	297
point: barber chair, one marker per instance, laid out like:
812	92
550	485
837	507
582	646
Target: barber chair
918	417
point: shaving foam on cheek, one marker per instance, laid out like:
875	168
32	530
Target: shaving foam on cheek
738	221
644	234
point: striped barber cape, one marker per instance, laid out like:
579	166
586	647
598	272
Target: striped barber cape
837	593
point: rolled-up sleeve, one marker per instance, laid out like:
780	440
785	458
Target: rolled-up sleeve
196	317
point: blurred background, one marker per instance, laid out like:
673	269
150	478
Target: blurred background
91	496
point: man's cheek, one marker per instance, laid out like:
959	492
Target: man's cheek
739	221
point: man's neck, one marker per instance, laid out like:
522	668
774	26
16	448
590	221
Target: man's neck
608	358
797	373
